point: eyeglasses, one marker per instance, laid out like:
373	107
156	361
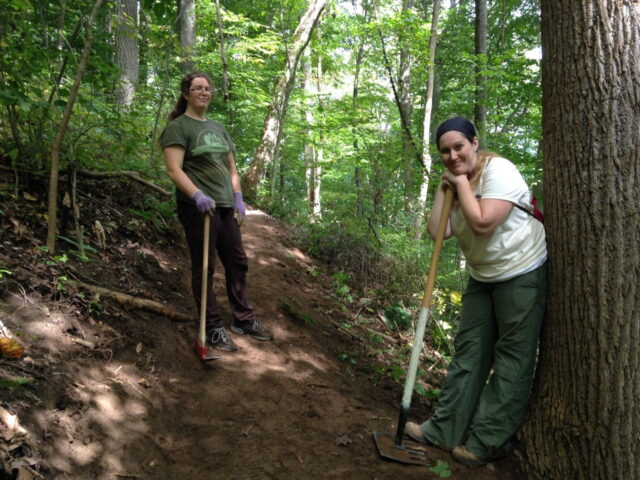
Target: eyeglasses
199	90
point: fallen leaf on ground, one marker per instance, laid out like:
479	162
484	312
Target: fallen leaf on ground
11	347
342	440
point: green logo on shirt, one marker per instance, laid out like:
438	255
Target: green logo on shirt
210	142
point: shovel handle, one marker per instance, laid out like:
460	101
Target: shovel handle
205	274
424	314
437	248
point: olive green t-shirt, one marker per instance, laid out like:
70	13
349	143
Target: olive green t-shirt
207	145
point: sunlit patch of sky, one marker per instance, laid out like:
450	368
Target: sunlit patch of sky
534	53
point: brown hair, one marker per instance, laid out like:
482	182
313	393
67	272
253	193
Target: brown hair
185	84
483	157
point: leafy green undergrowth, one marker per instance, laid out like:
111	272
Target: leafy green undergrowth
13	383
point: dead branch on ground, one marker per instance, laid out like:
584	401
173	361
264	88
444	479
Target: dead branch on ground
136	302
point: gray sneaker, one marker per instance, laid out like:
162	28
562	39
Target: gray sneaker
253	328
219	339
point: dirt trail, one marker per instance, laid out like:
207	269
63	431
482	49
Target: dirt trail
142	406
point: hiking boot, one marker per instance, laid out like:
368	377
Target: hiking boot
461	455
415	433
219	339
253	328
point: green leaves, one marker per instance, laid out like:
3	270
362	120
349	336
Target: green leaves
20	4
398	317
442	469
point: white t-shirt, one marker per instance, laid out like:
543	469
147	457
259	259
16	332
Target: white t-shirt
518	245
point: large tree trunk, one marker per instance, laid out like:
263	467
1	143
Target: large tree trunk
52	221
277	111
126	37
187	25
426	122
585	414
481	67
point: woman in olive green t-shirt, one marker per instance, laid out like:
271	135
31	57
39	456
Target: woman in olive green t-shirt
200	161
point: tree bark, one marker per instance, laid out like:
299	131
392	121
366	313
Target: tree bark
223	56
481	75
126	37
187	23
316	169
585	414
276	114
406	106
309	146
62	130
356	84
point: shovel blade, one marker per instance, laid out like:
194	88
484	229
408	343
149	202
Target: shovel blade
204	353
403	453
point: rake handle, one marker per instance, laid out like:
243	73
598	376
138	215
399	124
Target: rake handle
205	274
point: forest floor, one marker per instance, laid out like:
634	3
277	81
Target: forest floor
109	391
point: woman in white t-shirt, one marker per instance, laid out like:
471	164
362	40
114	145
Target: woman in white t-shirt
488	382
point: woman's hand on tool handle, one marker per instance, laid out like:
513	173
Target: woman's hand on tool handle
436	213
174	158
204	204
482	215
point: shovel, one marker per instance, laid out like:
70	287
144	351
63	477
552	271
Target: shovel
201	339
384	440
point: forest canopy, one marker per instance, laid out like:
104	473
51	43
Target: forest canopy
355	168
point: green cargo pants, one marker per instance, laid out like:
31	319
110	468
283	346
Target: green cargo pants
499	329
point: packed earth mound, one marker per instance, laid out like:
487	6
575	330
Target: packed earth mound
110	387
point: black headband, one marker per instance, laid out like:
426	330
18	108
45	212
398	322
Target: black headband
458	124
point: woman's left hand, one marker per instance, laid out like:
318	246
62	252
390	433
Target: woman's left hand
239	208
453	180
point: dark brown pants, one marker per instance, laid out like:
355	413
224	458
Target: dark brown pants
226	239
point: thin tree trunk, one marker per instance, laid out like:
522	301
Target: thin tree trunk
187	23
426	123
356	83
75	208
143	54
404	94
403	120
316	171
309	147
56	82
274	120
154	136
127	54
62	130
585	414
223	57
60	26
481	75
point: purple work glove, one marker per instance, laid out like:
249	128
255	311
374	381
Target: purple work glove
238	206
203	203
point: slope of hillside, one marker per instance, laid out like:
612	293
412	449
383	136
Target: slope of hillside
108	390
